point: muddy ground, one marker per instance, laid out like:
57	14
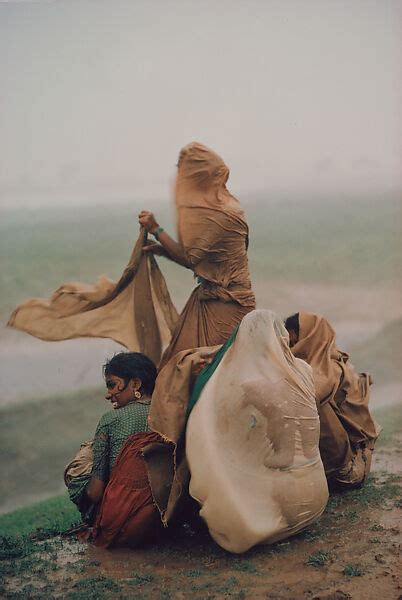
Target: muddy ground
352	552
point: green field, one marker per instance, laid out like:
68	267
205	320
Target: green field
349	241
39	438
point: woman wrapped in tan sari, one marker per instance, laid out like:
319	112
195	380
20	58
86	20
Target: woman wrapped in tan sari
213	241
348	431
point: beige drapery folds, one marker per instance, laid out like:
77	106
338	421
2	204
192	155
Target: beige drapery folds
252	441
166	463
136	312
348	431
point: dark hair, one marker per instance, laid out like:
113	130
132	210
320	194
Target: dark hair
132	365
293	323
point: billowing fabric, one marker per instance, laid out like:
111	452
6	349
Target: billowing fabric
136	312
252	441
166	463
203	323
127	515
348	431
214	235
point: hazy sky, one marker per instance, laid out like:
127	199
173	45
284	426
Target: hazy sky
294	94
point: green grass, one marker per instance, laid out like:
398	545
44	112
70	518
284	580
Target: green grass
375	492
43	519
138	579
318	559
245	566
20	530
353	570
93	588
38	439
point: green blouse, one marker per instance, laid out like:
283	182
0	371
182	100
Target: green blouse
112	432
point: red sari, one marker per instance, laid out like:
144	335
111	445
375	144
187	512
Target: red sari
127	515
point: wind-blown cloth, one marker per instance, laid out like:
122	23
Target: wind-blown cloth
252	440
348	431
213	233
136	312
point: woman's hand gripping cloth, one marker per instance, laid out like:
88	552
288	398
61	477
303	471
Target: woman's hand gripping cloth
252	441
136	312
348	431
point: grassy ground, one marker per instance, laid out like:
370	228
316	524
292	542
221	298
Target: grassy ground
39	438
186	566
356	540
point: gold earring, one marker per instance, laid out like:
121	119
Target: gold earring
137	394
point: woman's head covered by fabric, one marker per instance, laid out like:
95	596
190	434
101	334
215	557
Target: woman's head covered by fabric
201	167
265	332
317	346
260	349
314	334
132	365
201	180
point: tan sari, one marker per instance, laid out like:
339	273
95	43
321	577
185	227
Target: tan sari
214	235
348	431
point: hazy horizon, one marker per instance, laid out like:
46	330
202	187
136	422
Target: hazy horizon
296	97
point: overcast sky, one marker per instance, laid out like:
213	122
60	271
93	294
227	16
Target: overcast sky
300	95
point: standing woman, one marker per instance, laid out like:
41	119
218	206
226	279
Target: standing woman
213	241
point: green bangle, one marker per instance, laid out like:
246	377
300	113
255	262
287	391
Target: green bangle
157	232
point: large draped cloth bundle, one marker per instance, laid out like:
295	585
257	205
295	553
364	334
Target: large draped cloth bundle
348	431
252	441
136	312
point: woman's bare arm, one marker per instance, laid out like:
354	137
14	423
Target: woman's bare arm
173	249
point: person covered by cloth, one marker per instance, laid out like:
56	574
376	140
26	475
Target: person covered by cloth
347	429
252	439
117	484
213	242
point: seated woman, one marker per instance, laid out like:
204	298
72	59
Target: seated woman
252	439
118	482
347	430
